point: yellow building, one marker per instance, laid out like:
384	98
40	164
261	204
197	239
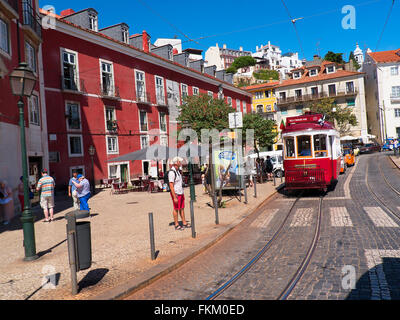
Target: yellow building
264	102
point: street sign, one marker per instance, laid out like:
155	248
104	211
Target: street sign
235	120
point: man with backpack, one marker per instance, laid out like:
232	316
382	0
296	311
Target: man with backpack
178	197
269	167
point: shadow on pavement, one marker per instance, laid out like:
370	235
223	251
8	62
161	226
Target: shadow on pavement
49	282
374	278
42	253
92	278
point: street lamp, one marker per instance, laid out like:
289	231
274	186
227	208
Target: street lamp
22	82
92	151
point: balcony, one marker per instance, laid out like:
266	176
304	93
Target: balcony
109	91
71	85
395	98
161	100
311	97
143	97
10	8
32	20
112	126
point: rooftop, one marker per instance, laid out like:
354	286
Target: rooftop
386	56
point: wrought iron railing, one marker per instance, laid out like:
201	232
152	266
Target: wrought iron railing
310	97
109	91
31	19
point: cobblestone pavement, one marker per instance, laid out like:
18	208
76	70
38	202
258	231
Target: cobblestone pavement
357	255
120	243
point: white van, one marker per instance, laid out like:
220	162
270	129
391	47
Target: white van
276	159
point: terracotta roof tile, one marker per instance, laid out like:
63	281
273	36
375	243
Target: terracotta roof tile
386	56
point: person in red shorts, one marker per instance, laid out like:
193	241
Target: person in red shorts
178	197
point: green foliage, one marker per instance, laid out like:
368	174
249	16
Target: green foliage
264	74
264	130
231	69
204	112
334	57
241	62
342	117
355	63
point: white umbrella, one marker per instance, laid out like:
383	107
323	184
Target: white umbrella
345	138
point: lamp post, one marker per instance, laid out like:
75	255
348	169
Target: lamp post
92	151
22	82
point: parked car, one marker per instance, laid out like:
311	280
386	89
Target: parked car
370	147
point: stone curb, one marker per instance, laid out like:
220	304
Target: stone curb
161	270
390	157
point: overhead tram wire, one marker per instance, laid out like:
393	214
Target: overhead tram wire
384	26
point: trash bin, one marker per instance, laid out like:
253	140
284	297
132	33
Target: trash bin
84	245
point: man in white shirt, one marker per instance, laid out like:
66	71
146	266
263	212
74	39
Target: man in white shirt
178	197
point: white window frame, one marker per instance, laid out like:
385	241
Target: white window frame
62	50
8	37
296	75
112	89
148	141
238	109
397	112
186	91
144	85
244	106
327	69
118	171
95	25
30	99
31	56
147	121
313	75
162	137
116	151
105	116
69	146
159	99
229	101
396	73
76	168
125	35
397	90
196	91
210	94
159	121
67	102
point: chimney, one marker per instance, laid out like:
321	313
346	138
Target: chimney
146	41
224	46
316	56
256	48
66	12
240	48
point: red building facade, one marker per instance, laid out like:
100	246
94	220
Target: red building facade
104	92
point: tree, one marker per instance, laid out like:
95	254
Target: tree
355	63
265	74
204	112
264	131
241	62
334	57
342	117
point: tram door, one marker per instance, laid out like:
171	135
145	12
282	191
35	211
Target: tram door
331	141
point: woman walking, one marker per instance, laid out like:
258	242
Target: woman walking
6	202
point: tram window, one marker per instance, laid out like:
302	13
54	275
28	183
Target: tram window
303	146
289	143
320	149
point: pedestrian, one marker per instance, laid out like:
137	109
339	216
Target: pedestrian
269	167
6	202
72	192
177	194
262	168
46	186
249	170
83	190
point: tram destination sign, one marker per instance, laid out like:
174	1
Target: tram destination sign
303	119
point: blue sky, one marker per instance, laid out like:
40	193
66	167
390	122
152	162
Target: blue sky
241	23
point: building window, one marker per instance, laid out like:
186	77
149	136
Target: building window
396	92
4	36
284	111
229	100
266	93
313	72
330	69
332	89
30	56
350	87
184	90
111	121
296	75
299	109
282	95
163	122
140	86
164	141
238	105
75	147
397	113
196	91
144	142
70	73
125	36
314	91
258	95
298	93
394	71
107	81
160	90
34	110
351	102
112	144
93	22
73	116
210	94
244	107
143	120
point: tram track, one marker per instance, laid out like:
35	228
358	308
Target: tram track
376	197
285	293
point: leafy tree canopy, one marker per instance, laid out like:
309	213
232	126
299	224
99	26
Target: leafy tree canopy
334	57
241	62
355	63
342	116
264	130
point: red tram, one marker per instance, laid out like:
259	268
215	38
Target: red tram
312	152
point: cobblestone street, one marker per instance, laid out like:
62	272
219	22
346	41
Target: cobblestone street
357	255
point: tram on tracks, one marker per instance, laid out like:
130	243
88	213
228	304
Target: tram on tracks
312	152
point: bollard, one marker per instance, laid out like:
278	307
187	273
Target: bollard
72	261
216	209
255	187
245	191
273	174
192	219
152	247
